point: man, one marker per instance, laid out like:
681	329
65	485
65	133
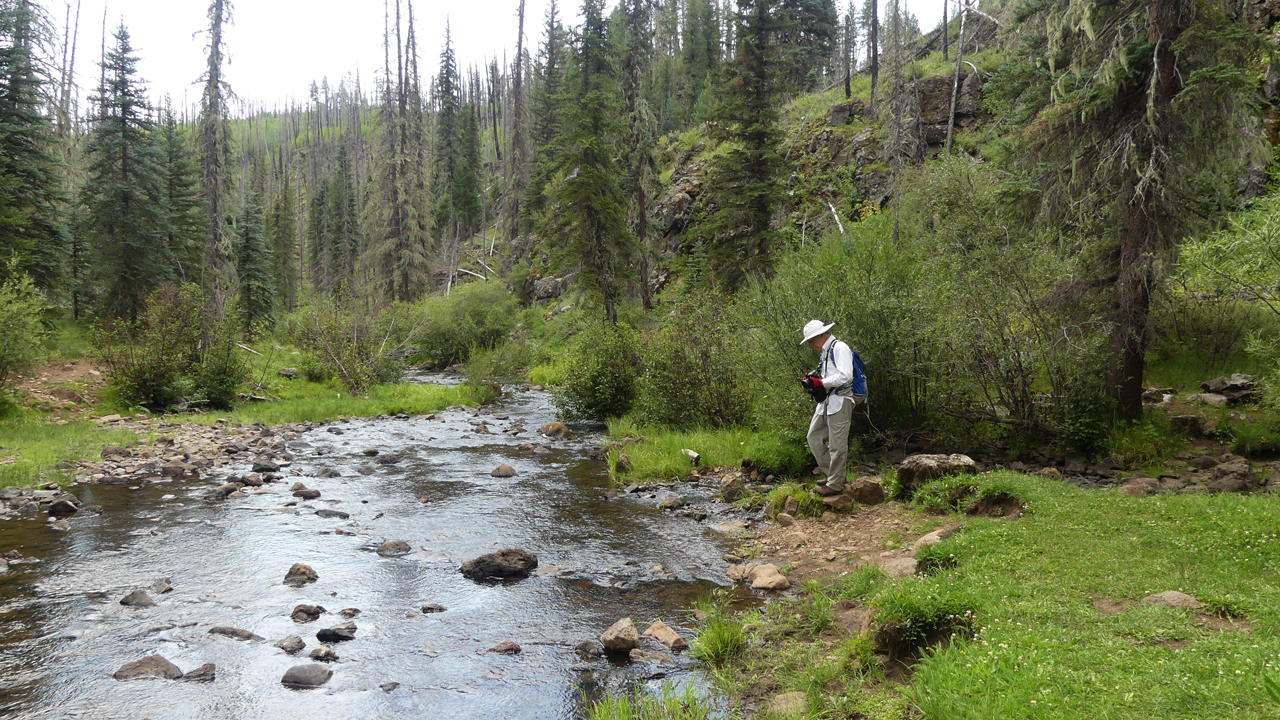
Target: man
845	386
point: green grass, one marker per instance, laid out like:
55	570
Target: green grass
39	446
1028	641
314	402
668	704
659	459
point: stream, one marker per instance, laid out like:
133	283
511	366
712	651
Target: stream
63	632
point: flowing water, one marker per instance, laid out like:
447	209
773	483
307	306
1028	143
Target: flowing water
63	632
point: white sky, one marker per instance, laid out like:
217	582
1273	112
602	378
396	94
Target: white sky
277	47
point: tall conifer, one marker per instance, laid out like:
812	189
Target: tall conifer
214	141
254	265
188	225
126	217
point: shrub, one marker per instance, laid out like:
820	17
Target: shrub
600	381
692	377
21	331
222	368
914	614
356	346
149	362
448	328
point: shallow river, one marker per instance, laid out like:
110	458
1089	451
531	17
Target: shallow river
63	632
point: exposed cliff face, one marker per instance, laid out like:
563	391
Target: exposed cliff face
838	156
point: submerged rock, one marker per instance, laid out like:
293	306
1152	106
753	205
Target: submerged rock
327	513
207	672
394	548
306	676
509	563
323	653
506	648
503	471
138	598
148	668
430	608
231	632
306	613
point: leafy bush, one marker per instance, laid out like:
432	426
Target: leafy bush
600	381
21	331
692	377
447	328
173	354
146	361
354	343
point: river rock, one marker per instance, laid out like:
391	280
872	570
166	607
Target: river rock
394	548
391	459
323	653
622	636
328	473
226	489
306	613
503	471
1235	475
785	520
337	633
663	633
252	480
556	430
291	644
206	673
306	494
916	470
867	491
300	575
349	612
232	632
675	502
148	668
732	488
332	514
588	650
65	505
505	648
138	598
767	577
306	676
624	464
430	608
509	563
388	686
264	464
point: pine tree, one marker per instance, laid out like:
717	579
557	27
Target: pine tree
588	202
320	241
741	237
183	201
467	208
807	30
31	228
254	266
639	162
344	223
548	102
448	149
214	146
126	219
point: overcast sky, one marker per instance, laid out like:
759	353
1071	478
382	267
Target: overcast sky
277	47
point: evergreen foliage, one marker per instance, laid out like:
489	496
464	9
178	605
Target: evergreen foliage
213	136
590	210
741	238
254	265
281	235
126	218
22	308
183	200
31	228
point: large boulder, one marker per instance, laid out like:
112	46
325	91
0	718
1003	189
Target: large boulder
1237	388
509	563
916	470
841	113
867	491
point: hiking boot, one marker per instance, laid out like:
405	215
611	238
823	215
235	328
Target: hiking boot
826	491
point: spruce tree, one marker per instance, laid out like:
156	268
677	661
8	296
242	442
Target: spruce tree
281	234
448	142
320	241
639	180
548	101
590	209
740	235
344	225
126	218
184	203
254	267
31	228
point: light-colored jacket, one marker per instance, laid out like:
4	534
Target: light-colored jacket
836	371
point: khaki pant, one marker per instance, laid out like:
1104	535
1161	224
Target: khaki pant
829	441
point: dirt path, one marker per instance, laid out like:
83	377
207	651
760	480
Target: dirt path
67	388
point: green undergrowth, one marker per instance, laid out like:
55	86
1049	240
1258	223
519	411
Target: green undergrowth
659	458
667	704
1007	618
314	402
37	446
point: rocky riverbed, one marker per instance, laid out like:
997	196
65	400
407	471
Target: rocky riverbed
168	560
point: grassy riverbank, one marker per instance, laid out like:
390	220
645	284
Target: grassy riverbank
1040	617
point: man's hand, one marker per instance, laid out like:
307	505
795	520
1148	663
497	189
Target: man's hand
810	382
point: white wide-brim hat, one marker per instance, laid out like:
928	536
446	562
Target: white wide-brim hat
813	329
